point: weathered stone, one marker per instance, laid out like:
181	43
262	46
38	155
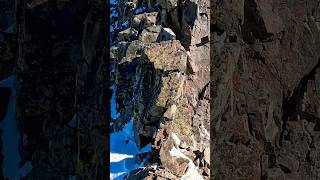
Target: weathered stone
134	50
167	56
168	4
150	34
275	174
176	166
142	21
264	91
129	34
192	67
164	96
170	112
122	49
156	34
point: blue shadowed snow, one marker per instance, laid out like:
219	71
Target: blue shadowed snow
114	113
113	14
123	147
10	135
125	24
140	10
113	1
122	151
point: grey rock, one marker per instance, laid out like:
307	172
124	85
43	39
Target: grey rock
129	34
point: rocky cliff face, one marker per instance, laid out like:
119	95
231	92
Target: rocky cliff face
162	79
265	81
56	51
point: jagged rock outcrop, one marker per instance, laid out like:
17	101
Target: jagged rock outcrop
163	83
264	75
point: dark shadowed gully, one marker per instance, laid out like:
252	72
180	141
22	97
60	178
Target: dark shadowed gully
52	57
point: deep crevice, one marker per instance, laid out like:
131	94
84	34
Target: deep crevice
291	105
285	169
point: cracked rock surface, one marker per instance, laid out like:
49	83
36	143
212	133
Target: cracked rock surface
162	80
264	84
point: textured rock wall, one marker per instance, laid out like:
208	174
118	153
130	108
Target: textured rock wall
163	83
56	50
264	81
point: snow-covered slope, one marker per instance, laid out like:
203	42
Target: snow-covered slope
123	147
122	151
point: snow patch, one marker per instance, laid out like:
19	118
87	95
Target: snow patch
192	173
177	141
123	147
174	152
205	131
122	152
154	166
140	10
114	114
119	157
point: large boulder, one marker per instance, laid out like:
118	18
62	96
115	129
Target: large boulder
142	21
129	34
157	34
161	78
150	34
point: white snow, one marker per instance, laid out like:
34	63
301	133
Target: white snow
176	139
192	172
122	151
174	152
205	131
154	166
10	135
123	147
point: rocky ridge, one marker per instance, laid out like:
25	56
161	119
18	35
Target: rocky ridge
162	78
